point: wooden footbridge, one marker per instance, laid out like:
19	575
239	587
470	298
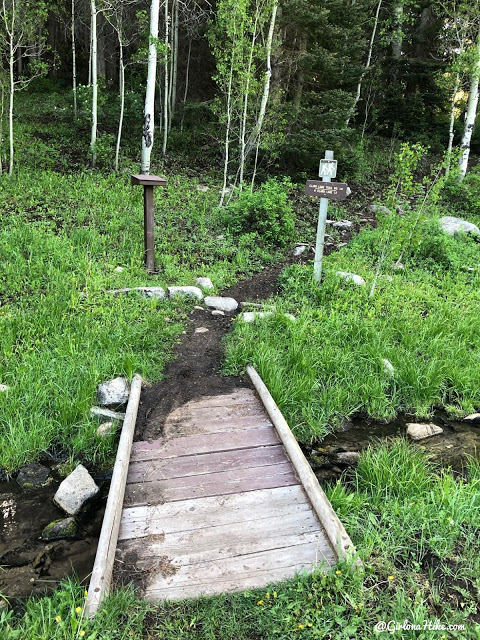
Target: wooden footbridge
224	501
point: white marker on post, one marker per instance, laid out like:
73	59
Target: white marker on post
327	171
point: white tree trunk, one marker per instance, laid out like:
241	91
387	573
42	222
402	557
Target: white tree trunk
255	135
471	114
397	35
90	54
165	86
227	133
149	113
122	99
187	74
10	108
93	141
2	104
74	63
451	129
243	127
367	65
175	62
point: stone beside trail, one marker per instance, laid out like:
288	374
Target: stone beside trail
251	316
185	292
146	292
353	277
421	431
473	418
205	283
228	305
33	475
105	429
60	529
452	225
113	393
75	491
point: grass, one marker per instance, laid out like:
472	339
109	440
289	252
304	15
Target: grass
328	364
415	528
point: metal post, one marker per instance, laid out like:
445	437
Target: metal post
149	228
322	218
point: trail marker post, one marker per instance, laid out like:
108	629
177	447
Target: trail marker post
326	189
148	183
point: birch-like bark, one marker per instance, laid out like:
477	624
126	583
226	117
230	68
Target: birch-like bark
2	104
227	132
93	140
174	62
12	91
397	35
367	65
187	74
74	63
471	113
122	95
266	85
243	126
165	86
90	54
149	113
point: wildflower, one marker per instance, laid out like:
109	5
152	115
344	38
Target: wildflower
267	595
78	610
260	602
85	593
58	619
81	633
390	578
452	522
339	573
274	594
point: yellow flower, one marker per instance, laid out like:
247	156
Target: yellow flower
339	573
274	594
58	619
260	602
78	610
82	633
390	578
85	593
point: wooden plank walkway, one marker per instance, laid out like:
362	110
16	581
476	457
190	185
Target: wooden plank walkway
215	505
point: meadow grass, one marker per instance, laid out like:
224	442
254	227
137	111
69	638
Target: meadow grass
328	364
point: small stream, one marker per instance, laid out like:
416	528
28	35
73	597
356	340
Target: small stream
30	565
339	451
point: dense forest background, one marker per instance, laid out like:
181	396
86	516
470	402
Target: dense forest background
258	86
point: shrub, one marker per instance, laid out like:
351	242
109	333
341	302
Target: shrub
265	211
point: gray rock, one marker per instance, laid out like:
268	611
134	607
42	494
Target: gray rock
378	208
118	269
421	431
60	529
347	457
220	237
3	388
202	187
388	367
146	292
198	308
299	249
185	292
113	393
201	330
353	277
343	224
75	491
33	475
101	412
251	316
217	312
105	429
205	283
221	304
473	418
329	221
452	225
340	245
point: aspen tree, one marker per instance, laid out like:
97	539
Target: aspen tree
149	112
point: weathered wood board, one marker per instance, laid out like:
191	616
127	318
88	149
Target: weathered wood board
215	505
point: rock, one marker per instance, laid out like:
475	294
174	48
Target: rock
202	187
185	292
347	457
353	277
343	224
329	221
421	431
378	208
400	210
473	418
118	269
217	312
33	475
201	330
220	237
221	304
113	393
388	367
3	388
299	249
341	245
60	529
198	308
105	429
452	225
146	292
251	316
75	491
205	283
101	412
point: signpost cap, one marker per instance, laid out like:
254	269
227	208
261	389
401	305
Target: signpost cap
149	181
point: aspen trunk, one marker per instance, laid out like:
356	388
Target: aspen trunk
175	63
451	130
11	62
243	126
149	113
93	141
165	86
187	74
367	65
74	63
122	99
397	35
471	114
227	133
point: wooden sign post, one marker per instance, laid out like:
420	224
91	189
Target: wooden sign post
326	189
148	183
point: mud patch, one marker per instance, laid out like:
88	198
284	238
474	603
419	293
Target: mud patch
30	566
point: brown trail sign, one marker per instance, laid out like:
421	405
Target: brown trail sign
332	190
